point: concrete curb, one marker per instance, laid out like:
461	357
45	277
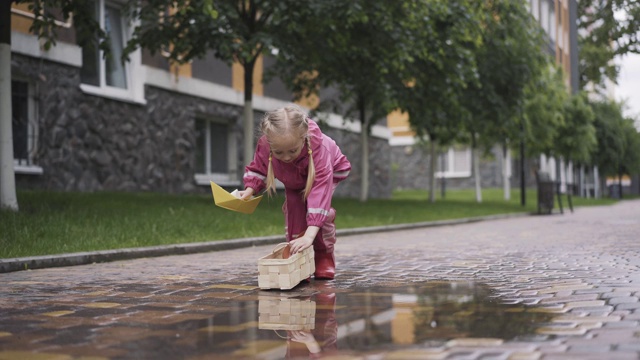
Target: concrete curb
84	258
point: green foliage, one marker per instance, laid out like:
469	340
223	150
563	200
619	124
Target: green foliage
511	57
188	29
607	29
631	157
47	12
610	132
544	108
161	24
357	50
576	138
444	37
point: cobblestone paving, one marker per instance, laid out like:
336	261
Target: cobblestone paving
582	268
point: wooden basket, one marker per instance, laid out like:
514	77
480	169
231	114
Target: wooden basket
286	314
274	272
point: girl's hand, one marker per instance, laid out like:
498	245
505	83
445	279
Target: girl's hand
246	194
302	336
305	240
300	243
306	338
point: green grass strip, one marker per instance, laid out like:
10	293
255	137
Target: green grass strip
62	222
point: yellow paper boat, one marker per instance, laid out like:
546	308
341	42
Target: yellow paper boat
228	201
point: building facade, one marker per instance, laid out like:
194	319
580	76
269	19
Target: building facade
82	122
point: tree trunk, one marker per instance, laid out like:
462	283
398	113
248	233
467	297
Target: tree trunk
506	172
247	114
620	180
364	142
476	169
443	178
596	183
583	189
432	170
523	181
8	198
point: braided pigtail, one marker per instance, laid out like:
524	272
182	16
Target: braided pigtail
311	175
270	182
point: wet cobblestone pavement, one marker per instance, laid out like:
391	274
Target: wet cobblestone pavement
539	287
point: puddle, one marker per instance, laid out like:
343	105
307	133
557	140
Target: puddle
366	320
274	325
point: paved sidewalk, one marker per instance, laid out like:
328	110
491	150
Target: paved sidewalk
582	268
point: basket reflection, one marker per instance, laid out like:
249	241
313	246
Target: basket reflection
277	313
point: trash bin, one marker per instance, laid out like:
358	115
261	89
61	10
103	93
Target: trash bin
614	191
546	188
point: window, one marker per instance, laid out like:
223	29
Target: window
216	152
544	13
109	76
552	23
535	9
24	128
455	163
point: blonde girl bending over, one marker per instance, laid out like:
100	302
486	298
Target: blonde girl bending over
293	150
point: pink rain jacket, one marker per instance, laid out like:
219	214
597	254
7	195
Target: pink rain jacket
331	168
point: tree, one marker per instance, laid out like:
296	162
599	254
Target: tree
8	198
184	29
631	156
239	31
46	12
511	56
44	27
544	109
358	49
618	150
609	154
443	64
576	138
608	29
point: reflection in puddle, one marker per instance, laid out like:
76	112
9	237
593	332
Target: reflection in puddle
231	321
319	320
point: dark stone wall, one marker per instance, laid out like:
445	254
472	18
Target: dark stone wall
91	143
410	170
379	162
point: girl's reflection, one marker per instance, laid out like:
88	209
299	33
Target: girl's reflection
323	339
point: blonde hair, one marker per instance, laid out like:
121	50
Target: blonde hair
288	120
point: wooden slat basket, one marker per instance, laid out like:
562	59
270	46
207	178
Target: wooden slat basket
286	314
274	272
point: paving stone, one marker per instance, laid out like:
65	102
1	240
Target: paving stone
624	323
591	356
622	300
628	306
629	347
532	355
632	316
616	294
569	299
586	319
589	348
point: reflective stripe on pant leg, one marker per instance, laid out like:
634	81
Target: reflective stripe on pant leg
326	237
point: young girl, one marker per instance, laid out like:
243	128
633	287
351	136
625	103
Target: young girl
293	150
